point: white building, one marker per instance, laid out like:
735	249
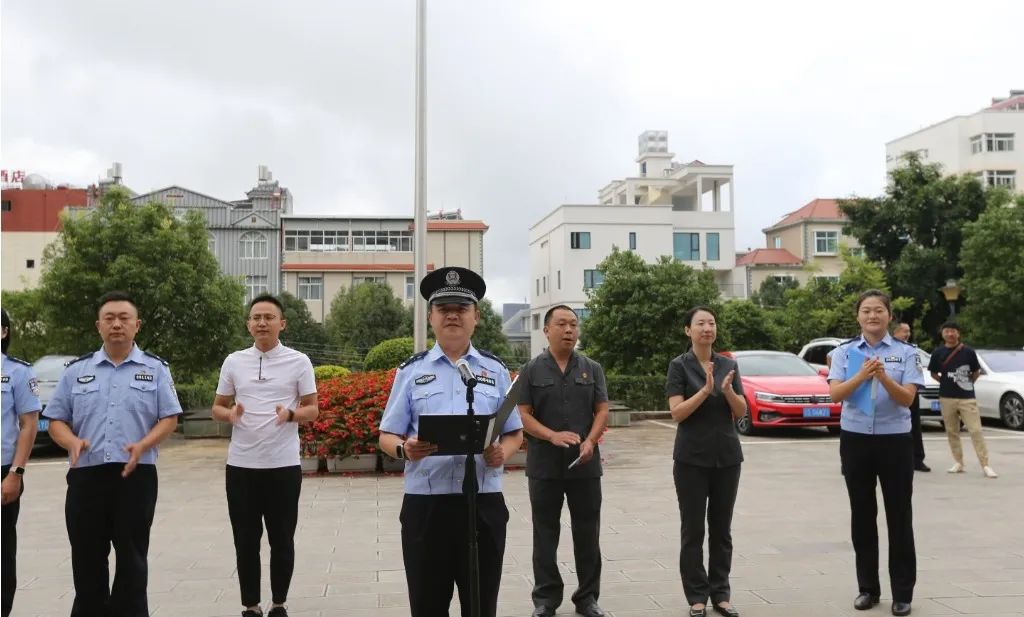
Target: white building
983	143
669	208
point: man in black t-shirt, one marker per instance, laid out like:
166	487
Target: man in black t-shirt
955	366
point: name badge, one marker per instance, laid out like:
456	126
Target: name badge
485	379
894	359
6	379
423	379
143	377
86	378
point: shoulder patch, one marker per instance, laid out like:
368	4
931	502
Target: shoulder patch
19	361
413	358
493	357
157	358
84	356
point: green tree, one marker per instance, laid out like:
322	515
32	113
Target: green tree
364	316
31	337
389	354
192	314
303	332
772	292
635	326
915	231
488	335
993	263
742	324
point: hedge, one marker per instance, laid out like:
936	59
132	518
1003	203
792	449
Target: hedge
638	392
329	371
198	393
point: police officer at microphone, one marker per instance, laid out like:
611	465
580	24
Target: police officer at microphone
433	512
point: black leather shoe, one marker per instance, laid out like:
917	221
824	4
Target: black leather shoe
727	612
591	610
543	611
922	467
865	601
901	608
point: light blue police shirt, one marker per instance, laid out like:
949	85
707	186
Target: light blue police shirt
20	396
902	363
113	406
431	385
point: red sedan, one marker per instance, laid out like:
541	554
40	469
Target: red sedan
783	390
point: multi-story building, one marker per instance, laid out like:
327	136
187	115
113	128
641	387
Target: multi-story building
684	210
244	235
983	144
325	254
803	245
30	221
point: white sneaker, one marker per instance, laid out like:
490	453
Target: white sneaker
989	472
957	468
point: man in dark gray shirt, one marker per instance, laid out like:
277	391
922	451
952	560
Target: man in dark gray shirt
564	407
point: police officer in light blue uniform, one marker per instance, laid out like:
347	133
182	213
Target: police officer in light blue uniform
875	444
21	406
434	508
110	410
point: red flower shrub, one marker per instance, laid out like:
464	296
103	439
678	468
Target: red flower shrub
351	407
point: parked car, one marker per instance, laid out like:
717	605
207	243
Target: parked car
783	390
48	370
1000	389
818	349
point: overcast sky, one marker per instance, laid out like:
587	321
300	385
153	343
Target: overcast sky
531	104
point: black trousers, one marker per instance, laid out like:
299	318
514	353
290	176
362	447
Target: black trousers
890	460
101	509
435	551
255	497
915	431
710	490
9	550
584	497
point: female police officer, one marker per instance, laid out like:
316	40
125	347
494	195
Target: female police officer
875	442
20	418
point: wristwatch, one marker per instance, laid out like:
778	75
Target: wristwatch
400	451
20	471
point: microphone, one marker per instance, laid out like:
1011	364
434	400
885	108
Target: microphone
465	373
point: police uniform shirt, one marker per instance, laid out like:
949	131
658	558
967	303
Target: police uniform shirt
562	402
113	406
430	385
902	364
261	381
20	396
708	437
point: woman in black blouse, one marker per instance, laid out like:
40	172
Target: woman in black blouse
705	397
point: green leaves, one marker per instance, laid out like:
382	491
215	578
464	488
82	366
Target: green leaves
366	315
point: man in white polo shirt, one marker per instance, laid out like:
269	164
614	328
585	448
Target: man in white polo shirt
265	391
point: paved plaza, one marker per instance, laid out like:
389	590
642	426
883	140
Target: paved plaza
791	534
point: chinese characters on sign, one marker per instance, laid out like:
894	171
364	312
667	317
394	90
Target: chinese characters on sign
12	176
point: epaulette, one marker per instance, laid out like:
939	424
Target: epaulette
493	357
157	358
849	340
19	361
81	357
413	358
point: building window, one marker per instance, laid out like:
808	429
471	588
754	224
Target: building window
253	245
632	240
998	178
559	279
686	246
311	287
544	283
359	280
410	288
538	288
536	321
828	279
582	314
857	251
30	263
782	278
255	284
6	205
992	142
592	279
713	252
976	145
826	242
778	242
579	240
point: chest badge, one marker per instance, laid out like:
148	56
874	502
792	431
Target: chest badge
896	359
86	378
483	378
423	379
6	379
143	377
584	375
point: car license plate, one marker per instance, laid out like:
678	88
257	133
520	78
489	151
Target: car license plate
936	406
816	412
44	424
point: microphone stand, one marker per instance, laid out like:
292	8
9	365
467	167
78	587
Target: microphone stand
471	490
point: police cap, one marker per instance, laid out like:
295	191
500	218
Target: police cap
452	285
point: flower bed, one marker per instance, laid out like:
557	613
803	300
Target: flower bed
351	407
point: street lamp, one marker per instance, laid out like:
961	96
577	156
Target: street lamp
952	293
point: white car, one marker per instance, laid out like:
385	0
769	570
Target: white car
818	349
1000	389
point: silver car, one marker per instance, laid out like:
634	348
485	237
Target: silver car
48	371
